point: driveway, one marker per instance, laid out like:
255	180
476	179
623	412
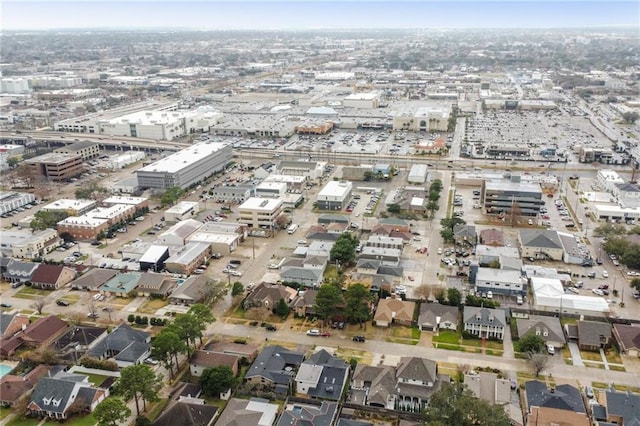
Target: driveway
575	354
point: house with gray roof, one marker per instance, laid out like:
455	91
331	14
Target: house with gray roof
484	322
77	340
154	284
548	328
465	235
623	408
304	303
489	387
436	316
275	368
500	281
19	271
562	397
191	291
488	254
541	244
322	376
10	324
53	396
187	412
125	345
309	414
628	337
93	279
309	277
594	335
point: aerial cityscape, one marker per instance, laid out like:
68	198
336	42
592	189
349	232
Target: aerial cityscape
320	213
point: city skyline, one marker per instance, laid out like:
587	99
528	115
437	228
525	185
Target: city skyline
294	15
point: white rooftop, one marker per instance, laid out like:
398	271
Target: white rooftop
110	212
184	158
125	200
83	221
183	207
153	253
335	188
150	118
263	204
67	204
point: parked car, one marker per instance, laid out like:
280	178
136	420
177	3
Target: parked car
271	328
551	350
313	332
62	303
358	338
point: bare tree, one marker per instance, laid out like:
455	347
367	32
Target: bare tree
538	362
425	291
258	314
93	309
39	304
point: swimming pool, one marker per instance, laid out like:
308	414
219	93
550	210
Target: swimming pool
5	369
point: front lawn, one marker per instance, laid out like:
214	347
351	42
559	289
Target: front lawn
87	420
152	305
447	336
31	293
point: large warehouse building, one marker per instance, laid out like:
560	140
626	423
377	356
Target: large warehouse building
186	167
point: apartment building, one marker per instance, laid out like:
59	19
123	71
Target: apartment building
55	166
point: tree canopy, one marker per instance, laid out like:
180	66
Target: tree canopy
344	249
216	380
171	195
165	348
455	405
47	219
91	191
357	300
138	382
111	412
328	298
530	343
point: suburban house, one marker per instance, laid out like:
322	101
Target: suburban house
19	271
13	388
10	324
274	369
126	345
623	408
193	290
304	303
434	316
93	279
549	328
187	411
489	387
394	310
52	277
53	396
406	387
309	277
593	335
464	235
562	397
484	322
322	376
546	416
77	340
252	412
201	360
242	350
43	332
628	337
121	285
152	284
309	414
268	295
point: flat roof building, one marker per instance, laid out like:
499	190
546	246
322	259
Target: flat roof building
73	207
56	167
85	149
186	167
334	195
260	212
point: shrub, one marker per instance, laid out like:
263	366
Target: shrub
131	318
100	364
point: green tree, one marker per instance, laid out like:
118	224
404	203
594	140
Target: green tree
433	206
608	230
237	289
367	176
328	298
12	162
455	405
454	297
434	195
635	283
630	117
631	256
393	208
171	195
447	235
357	301
436	185
47	219
188	328
530	343
140	383
344	249
216	380
91	191
282	308
165	348
111	412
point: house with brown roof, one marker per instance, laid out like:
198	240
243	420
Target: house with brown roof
268	295
593	335
546	416
13	387
52	277
252	412
44	331
304	303
155	284
247	351
492	237
394	310
201	360
10	324
628	337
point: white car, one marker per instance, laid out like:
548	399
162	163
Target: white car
440	251
235	273
605	274
313	332
597	291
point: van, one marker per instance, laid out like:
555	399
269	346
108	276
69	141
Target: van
551	350
519	300
292	228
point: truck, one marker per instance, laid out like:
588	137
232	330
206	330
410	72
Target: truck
292	228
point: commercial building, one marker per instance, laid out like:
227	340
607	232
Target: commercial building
72	207
10	201
139	203
188	258
422	118
308	169
154	258
335	195
186	167
509	196
232	194
260	212
28	245
368	100
85	149
181	211
82	227
56	167
417	174
271	189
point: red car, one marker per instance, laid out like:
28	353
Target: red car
410	278
325	334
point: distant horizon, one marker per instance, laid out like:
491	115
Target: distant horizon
312	15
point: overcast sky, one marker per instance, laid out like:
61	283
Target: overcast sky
301	14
